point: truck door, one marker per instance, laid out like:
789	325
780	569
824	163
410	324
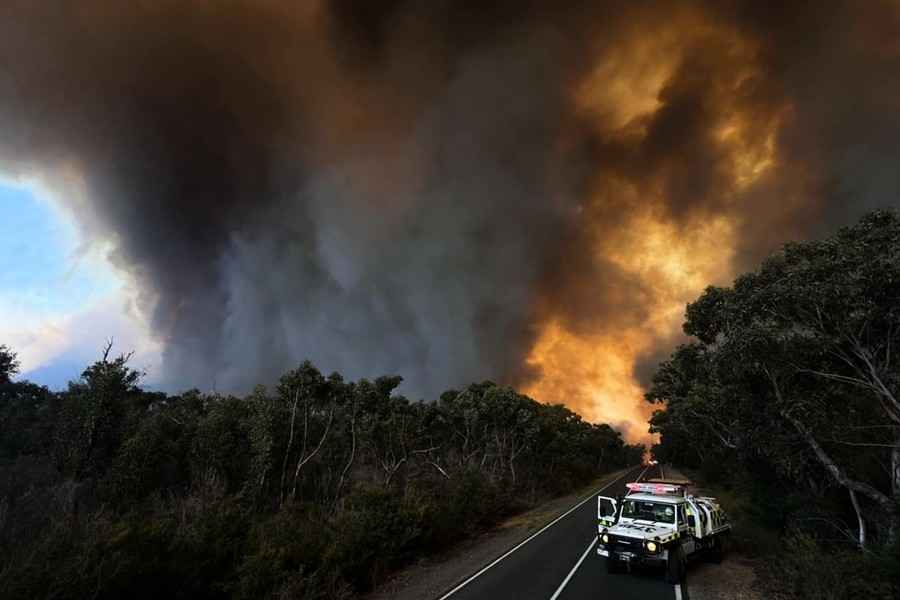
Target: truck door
607	512
685	529
697	520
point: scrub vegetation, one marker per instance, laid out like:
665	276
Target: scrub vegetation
787	400
316	488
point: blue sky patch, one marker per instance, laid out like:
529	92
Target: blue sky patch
40	268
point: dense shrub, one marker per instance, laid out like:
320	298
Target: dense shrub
377	531
315	490
787	393
807	569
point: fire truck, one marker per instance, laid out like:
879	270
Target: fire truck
658	523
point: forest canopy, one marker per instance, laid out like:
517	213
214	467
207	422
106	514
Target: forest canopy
315	488
790	390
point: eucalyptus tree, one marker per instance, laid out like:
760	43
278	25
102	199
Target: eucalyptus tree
9	364
802	351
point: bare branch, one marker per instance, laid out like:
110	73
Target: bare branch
106	350
873	445
438	467
171	418
833	469
835	377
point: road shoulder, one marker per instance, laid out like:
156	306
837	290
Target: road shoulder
733	579
431	576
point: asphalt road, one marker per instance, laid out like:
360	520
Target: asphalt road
560	562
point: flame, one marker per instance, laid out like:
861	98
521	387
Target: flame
624	86
591	375
669	259
593	372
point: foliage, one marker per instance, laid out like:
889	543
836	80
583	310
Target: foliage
315	489
791	382
9	364
807	569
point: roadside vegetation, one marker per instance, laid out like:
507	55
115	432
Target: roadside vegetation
787	402
316	488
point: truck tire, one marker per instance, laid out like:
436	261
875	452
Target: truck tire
675	565
612	566
719	548
713	553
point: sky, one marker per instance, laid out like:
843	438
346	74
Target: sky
521	192
60	300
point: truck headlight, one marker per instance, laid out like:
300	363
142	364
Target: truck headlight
651	547
605	538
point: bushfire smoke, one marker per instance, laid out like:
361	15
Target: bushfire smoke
522	191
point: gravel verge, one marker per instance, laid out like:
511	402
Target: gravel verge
733	579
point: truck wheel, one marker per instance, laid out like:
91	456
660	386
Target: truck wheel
717	549
713	554
720	548
675	565
612	566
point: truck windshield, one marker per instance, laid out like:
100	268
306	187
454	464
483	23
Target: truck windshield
648	511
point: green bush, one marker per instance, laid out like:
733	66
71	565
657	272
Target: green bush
465	505
285	553
807	569
318	491
377	531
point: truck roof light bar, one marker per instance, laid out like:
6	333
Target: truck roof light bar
655	488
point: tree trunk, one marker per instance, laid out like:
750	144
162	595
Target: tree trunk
895	470
290	444
859	518
835	471
349	464
305	459
895	489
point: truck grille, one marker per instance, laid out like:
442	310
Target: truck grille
627	545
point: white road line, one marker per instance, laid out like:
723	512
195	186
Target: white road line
565	582
677	586
534	535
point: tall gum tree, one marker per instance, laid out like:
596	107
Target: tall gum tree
805	346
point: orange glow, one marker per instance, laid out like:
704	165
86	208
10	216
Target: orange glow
668	258
752	148
590	375
625	84
592	372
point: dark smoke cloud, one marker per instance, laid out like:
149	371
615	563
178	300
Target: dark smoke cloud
410	187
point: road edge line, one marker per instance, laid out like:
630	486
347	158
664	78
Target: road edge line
565	581
484	569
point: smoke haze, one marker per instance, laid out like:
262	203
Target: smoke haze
527	192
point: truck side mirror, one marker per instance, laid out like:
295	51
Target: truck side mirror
691	522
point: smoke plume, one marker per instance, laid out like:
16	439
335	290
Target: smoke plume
522	191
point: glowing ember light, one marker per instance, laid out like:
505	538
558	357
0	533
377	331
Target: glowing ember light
592	375
661	259
593	372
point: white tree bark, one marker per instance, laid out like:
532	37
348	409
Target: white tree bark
859	518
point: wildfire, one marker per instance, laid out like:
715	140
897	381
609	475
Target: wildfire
667	259
590	375
593	372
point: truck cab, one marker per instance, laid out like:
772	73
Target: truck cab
658	522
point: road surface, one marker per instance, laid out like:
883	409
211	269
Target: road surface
560	562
